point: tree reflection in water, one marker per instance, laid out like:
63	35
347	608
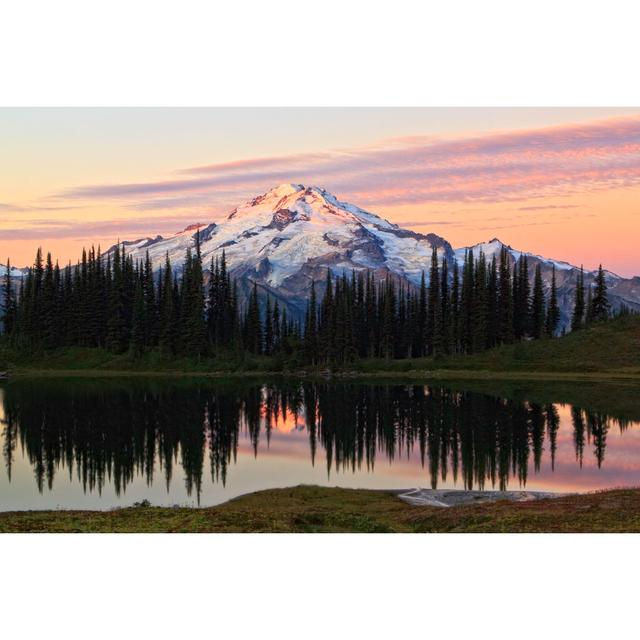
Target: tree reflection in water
113	433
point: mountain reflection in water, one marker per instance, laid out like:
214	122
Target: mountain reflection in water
115	434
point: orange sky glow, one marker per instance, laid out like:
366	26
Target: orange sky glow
563	183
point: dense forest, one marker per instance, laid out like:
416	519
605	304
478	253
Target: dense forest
120	305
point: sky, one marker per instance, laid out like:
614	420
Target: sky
559	182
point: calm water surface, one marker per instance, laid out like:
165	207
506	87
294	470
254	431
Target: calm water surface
105	443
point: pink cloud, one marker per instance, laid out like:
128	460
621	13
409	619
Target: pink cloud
118	227
498	167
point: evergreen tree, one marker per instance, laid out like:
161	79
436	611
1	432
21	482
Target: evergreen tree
275	323
445	309
35	303
192	314
388	317
553	311
577	318
480	305
311	328
537	305
9	302
116	313
505	300
115	303
422	344
137	343
600	307
455	309
252	324
268	329
434	314
467	304
150	306
168	318
48	306
521	299
67	323
326	325
493	326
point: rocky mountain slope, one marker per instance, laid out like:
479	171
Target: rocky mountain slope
622	291
288	237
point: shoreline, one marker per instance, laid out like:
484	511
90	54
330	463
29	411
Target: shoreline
434	374
440	498
428	497
310	509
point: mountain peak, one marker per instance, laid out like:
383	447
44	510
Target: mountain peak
285	189
290	202
293	192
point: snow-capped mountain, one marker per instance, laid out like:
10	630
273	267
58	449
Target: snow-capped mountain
289	236
493	248
293	228
15	278
15	272
622	291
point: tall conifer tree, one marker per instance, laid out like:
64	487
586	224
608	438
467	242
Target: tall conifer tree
9	302
600	307
445	309
434	314
577	319
311	328
505	300
553	311
455	308
537	305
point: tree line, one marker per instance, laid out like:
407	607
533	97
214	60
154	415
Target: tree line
476	307
119	304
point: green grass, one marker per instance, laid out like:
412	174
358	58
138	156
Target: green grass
307	509
608	349
85	359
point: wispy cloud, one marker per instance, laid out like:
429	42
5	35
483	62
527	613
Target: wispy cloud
175	202
5	206
20	208
89	230
498	167
549	206
424	223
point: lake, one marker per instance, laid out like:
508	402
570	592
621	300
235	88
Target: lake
102	443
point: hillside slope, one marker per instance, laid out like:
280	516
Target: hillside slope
604	347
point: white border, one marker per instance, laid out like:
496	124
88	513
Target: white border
314	586
338	52
290	53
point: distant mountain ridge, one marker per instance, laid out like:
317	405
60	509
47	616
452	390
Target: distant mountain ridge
622	291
